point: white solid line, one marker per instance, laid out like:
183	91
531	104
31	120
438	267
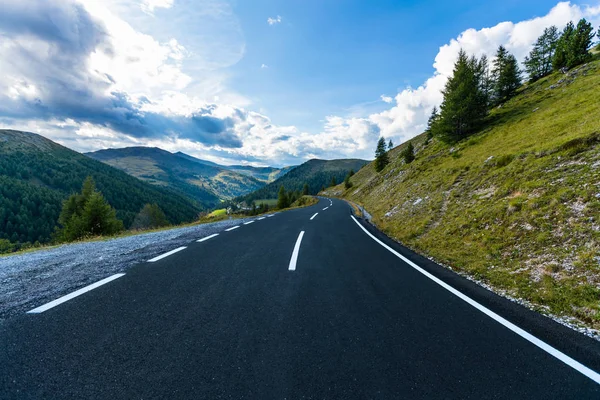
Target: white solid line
313	217
593	375
208	237
232	228
325	208
294	259
167	254
261	218
70	296
248	223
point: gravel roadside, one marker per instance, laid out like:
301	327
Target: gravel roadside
31	279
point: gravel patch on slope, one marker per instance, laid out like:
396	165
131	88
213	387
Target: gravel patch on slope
32	279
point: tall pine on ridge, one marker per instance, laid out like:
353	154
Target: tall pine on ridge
464	105
538	63
381	156
506	76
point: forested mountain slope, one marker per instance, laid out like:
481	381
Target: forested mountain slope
517	205
36	175
315	173
202	180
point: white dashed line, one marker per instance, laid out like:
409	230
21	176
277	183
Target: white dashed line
167	254
261	218
232	228
271	215
206	238
294	259
248	223
68	297
593	375
313	217
325	208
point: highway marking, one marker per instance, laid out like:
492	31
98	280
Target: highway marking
271	215
248	223
313	217
261	218
232	228
208	237
325	208
70	296
593	375
294	259
167	254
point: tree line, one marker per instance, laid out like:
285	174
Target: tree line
475	87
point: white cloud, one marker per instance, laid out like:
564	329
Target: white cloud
264	66
273	21
148	6
386	99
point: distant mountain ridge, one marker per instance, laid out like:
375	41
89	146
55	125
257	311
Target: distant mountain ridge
36	175
315	173
200	179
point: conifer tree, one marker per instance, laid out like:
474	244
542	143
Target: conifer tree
506	76
282	198
333	182
381	156
463	107
305	190
580	44
539	61
409	153
431	123
347	183
351	173
390	145
150	217
561	54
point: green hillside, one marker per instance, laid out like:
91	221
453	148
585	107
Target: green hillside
315	173
516	205
263	174
203	181
36	175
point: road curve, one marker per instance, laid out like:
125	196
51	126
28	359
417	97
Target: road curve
357	317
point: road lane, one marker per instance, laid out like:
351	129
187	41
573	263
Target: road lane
226	318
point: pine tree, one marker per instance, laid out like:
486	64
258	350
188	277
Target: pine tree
150	217
347	183
463	107
433	118
561	54
539	61
351	173
87	213
390	145
332	182
485	79
381	156
409	153
305	190
282	199
506	76
580	44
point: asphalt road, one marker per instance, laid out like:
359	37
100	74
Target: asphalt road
229	317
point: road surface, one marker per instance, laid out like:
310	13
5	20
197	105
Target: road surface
304	304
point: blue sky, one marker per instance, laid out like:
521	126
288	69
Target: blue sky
264	82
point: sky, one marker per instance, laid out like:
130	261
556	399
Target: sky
259	82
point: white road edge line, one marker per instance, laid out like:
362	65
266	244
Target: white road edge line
248	223
232	228
76	293
593	375
167	254
313	217
294	259
206	238
325	208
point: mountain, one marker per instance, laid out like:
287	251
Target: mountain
516	206
263	174
315	173
201	180
36	175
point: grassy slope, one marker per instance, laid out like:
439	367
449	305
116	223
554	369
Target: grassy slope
526	221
